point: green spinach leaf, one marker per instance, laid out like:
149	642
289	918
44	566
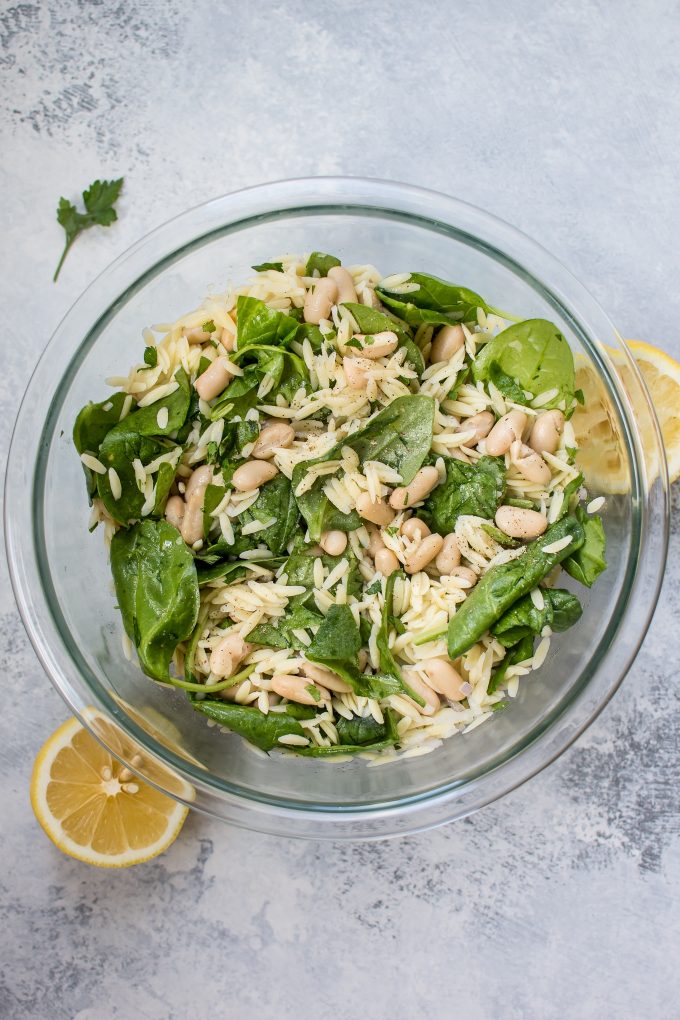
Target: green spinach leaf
275	503
399	436
382	736
157	591
503	584
524	649
264	731
91	427
588	562
370	320
320	263
510	389
476	489
535	355
264	266
336	645
561	610
436	302
388	663
259	325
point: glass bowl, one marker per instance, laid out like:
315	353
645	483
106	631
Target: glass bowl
61	577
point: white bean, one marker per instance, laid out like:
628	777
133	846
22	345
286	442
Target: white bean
414	528
331	681
464	574
320	300
375	542
377	513
449	557
253	474
418	488
520	523
199	481
196	335
418	686
504	433
174	511
377	345
545	435
295	689
532	466
386	562
227	340
481	423
448	340
333	542
429	548
274	434
356	370
215	378
226	655
192	522
344	283
443	678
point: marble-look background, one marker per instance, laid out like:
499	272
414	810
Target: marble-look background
561	901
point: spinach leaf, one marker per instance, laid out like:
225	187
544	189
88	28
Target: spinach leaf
139	436
280	634
157	591
499	536
384	735
321	263
235	436
561	610
275	502
360	730
164	480
571	495
91	426
369	321
510	389
588	562
318	511
436	301
524	649
309	331
503	584
534	354
231	570
336	645
258	324
476	489
261	730
240	395
399	436
263	266
388	663
119	450
144	420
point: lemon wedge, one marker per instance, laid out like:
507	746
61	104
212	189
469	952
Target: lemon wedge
600	458
95	809
662	377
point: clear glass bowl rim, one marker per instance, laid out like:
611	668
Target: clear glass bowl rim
332	194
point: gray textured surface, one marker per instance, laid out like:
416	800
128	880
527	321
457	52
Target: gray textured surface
561	901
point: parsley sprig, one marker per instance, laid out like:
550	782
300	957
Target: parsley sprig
99	200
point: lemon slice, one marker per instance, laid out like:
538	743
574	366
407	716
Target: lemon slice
600	458
662	376
96	810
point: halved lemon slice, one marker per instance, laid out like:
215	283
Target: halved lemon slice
600	454
95	809
662	376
